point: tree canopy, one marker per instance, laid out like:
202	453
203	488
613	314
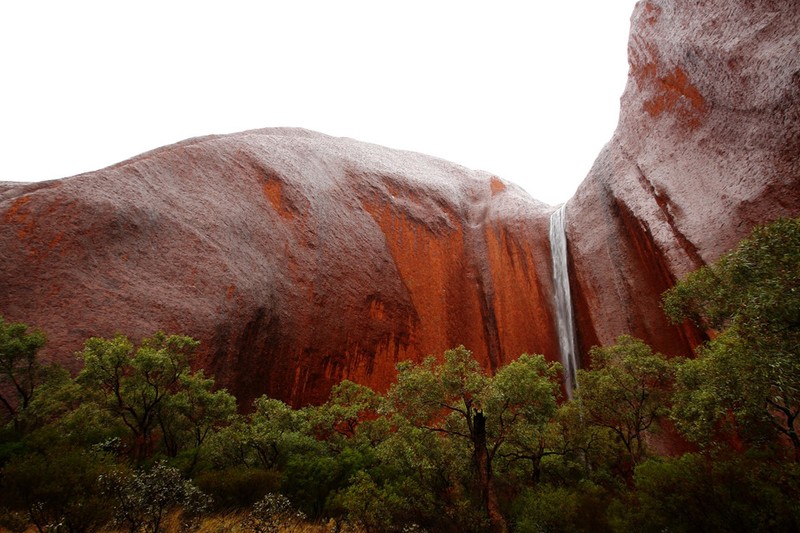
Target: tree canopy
626	390
139	439
20	369
747	378
456	397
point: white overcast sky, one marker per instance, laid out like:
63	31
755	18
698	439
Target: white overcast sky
527	90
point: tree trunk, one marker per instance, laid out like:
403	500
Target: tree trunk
483	464
537	469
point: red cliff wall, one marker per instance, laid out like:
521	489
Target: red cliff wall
707	146
298	259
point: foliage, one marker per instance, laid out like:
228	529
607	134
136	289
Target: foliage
691	493
56	396
554	509
310	478
457	399
626	390
237	487
152	387
20	370
134	382
421	468
754	286
57	489
746	380
264	439
142	498
299	446
273	513
188	416
565	451
350	409
369	505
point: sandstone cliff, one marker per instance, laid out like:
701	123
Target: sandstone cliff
707	146
296	258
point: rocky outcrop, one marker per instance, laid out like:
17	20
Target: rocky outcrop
296	258
707	146
300	259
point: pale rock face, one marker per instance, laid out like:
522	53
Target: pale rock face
707	146
296	258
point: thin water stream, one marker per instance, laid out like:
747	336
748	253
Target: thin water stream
563	300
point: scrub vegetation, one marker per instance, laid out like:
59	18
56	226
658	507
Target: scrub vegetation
139	440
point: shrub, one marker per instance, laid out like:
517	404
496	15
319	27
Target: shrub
143	498
272	513
56	490
238	487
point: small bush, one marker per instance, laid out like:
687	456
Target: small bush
552	509
56	489
273	513
238	487
142	499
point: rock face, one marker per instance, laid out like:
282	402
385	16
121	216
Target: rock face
296	258
707	146
300	260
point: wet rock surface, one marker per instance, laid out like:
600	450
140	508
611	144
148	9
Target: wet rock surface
707	147
300	259
296	258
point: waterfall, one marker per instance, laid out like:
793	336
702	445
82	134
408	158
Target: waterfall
563	300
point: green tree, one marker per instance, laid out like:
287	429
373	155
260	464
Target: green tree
456	398
260	440
371	506
134	383
56	488
562	509
20	370
189	415
565	438
350	409
696	493
274	430
419	466
747	378
627	389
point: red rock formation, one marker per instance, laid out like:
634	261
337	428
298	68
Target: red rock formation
707	146
297	258
300	259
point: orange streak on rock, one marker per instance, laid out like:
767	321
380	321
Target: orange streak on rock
666	92
653	12
433	268
273	191
675	93
497	185
13	213
522	308
21	217
56	240
377	310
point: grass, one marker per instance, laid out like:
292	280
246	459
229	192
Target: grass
233	522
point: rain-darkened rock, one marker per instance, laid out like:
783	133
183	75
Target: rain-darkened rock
707	147
296	258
